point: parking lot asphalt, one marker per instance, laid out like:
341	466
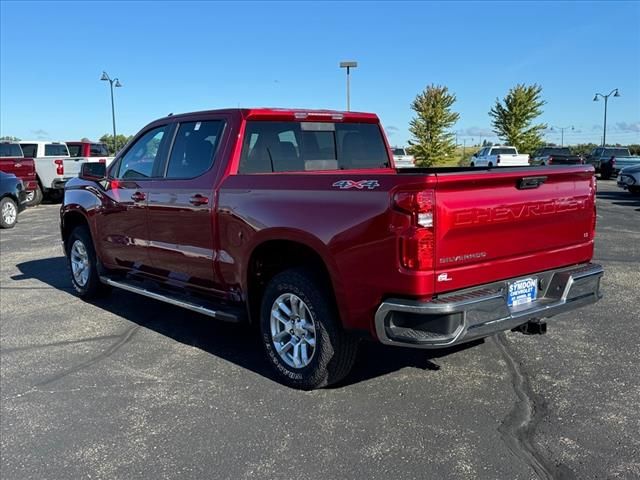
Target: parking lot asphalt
130	388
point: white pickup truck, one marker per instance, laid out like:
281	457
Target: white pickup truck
402	159
499	156
54	167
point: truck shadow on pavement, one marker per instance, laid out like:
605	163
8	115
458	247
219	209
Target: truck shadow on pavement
622	198
239	344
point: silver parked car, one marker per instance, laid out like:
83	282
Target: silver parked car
629	179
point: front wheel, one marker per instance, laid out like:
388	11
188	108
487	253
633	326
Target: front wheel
8	212
472	165
83	264
301	332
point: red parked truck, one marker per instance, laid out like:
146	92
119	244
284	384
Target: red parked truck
12	160
298	221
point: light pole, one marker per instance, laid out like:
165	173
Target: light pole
606	100
348	66
562	129
117	83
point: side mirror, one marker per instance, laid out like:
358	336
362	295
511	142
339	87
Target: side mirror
93	171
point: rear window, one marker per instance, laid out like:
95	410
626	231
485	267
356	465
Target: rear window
398	151
55	150
617	152
307	146
98	150
503	151
555	151
74	150
30	150
10	150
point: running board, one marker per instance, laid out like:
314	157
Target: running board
173	300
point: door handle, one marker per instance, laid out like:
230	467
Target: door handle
198	199
138	197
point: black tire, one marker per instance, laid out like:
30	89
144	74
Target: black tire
92	287
490	165
634	190
472	165
37	197
335	350
8	212
55	196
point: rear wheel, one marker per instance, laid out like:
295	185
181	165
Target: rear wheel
8	212
83	264
301	332
55	195
34	197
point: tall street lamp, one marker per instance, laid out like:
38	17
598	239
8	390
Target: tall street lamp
113	82
348	66
562	129
606	99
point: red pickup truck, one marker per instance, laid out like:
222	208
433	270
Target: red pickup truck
12	160
299	222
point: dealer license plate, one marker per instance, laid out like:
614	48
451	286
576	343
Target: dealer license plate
522	291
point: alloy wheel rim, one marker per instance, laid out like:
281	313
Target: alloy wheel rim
9	213
79	263
30	196
293	330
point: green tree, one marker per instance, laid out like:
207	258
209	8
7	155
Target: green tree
9	138
432	139
513	117
121	141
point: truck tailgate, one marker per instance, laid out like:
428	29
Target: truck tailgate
493	225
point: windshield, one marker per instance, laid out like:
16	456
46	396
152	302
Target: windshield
10	150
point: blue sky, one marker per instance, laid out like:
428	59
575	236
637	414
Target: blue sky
185	56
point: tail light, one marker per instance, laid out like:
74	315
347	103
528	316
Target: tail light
550	161
416	240
59	167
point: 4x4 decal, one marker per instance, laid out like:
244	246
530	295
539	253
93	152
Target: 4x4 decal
346	184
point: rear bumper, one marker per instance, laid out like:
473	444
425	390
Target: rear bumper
59	183
469	314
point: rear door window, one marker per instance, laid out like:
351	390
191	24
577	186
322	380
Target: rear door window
194	148
307	146
10	150
503	151
139	160
55	150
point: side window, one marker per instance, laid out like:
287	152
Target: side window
194	148
98	150
139	159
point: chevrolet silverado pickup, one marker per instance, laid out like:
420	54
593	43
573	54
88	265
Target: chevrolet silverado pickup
608	161
499	156
297	221
12	161
53	166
